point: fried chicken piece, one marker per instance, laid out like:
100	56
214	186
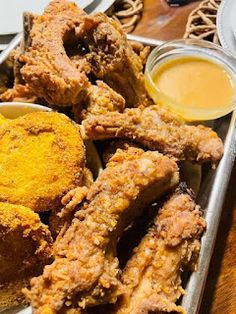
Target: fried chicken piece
112	58
141	50
98	99
48	70
19	92
42	157
157	130
24	243
152	277
113	145
58	218
85	271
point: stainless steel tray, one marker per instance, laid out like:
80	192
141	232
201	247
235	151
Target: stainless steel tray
211	197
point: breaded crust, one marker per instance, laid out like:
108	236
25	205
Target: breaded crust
48	70
157	129
152	276
25	247
85	271
41	158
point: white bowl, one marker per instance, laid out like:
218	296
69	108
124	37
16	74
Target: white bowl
13	110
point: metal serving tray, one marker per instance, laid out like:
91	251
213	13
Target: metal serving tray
211	196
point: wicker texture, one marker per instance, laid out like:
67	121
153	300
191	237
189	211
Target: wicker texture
128	12
202	21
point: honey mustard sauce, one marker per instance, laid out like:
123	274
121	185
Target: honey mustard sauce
192	84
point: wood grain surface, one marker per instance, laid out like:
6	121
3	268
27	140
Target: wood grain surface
162	22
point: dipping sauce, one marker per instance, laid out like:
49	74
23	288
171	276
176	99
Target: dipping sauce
195	87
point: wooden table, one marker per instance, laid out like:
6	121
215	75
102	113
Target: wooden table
162	22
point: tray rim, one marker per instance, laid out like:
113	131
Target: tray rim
195	287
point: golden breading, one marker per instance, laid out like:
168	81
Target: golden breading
42	157
152	276
71	200
2	119
11	294
47	69
85	271
157	129
25	247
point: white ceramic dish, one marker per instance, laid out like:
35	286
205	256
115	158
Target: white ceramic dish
13	110
226	25
11	12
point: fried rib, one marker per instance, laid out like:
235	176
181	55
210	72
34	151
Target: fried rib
42	157
85	270
158	130
112	58
62	46
152	277
48	70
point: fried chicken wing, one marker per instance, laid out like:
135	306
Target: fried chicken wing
152	277
157	130
42	157
85	271
47	69
25	247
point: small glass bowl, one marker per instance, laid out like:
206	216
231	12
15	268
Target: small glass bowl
188	48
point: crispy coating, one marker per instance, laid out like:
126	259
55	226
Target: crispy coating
2	119
48	70
42	157
113	145
85	271
98	99
62	46
158	130
152	277
59	218
11	293
112	58
141	50
19	92
24	243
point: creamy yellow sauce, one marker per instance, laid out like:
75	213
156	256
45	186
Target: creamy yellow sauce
194	82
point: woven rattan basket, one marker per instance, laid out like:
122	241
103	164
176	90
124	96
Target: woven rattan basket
128	12
202	21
